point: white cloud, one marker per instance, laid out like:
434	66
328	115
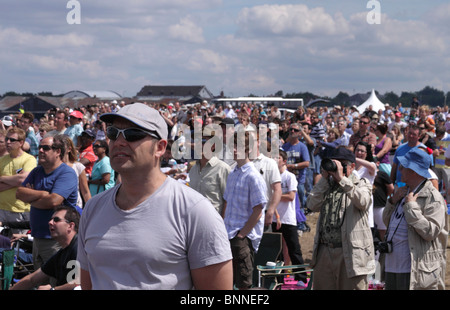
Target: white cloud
13	37
239	47
208	60
289	20
186	30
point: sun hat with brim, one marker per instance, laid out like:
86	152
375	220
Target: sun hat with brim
417	160
142	116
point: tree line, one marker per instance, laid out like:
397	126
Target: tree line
428	95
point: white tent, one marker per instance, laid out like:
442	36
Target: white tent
372	101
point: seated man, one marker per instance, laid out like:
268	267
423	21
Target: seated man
63	228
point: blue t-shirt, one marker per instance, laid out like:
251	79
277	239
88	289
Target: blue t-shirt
101	167
73	132
62	181
296	154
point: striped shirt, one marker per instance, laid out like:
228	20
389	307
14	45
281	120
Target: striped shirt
318	131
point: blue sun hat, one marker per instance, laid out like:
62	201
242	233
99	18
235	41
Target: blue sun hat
417	160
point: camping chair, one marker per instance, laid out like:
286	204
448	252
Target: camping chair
274	273
7	269
269	250
24	262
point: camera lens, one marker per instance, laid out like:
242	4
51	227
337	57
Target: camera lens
328	165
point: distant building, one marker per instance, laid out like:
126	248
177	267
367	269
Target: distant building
101	95
183	94
38	105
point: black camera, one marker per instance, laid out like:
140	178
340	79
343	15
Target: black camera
384	246
329	165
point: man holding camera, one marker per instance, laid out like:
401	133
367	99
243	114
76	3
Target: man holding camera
343	253
417	229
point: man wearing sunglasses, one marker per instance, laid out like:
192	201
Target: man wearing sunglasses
47	186
161	233
63	227
14	168
298	159
363	134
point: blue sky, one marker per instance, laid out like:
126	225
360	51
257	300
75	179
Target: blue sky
238	47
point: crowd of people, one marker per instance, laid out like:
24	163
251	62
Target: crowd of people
151	172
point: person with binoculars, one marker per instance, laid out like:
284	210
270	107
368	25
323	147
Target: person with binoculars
343	253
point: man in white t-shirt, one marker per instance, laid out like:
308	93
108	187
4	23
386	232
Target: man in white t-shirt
268	169
150	231
285	219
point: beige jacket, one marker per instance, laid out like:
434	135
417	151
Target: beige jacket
427	236
357	240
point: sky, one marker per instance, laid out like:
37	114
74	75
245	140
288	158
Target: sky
240	47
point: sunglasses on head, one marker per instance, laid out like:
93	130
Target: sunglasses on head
45	147
129	134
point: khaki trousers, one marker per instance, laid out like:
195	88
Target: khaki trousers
330	272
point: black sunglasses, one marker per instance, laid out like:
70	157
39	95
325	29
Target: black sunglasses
97	145
294	129
45	147
58	219
11	139
365	123
130	134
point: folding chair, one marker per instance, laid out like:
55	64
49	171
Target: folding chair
276	272
269	250
7	269
24	262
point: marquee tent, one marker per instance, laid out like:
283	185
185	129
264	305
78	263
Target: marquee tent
371	101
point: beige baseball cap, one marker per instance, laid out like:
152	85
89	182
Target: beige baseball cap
142	116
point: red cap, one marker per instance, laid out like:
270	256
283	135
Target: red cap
76	114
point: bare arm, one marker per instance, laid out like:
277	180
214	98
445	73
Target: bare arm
85	280
371	167
85	161
11	181
298	166
393	172
39	199
386	147
84	187
290	196
223	209
213	277
273	203
14	180
104	180
31	280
